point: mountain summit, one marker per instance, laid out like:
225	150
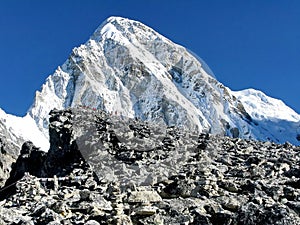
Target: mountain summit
130	70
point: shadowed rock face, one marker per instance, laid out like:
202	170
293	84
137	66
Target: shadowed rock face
113	170
31	160
9	150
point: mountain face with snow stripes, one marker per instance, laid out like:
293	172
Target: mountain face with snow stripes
128	69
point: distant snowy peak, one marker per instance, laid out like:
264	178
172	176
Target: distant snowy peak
274	121
129	69
262	107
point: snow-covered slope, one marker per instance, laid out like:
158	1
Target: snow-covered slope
262	107
271	115
21	129
129	69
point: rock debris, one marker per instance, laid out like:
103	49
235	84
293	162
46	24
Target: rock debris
103	169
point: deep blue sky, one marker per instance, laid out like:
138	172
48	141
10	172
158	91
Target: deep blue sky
246	43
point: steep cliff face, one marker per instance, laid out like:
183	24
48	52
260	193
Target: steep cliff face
127	68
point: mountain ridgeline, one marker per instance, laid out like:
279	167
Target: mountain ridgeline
129	69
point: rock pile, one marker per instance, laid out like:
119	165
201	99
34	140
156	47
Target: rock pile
103	170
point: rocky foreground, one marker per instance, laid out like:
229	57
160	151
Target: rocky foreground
104	169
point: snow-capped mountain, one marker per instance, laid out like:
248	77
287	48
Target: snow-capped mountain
128	69
274	120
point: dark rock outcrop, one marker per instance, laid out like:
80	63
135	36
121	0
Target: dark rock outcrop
31	160
63	155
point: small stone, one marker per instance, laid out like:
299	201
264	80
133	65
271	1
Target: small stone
145	210
258	200
284	201
85	195
232	204
144	196
229	186
92	222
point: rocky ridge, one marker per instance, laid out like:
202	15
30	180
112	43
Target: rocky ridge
92	176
